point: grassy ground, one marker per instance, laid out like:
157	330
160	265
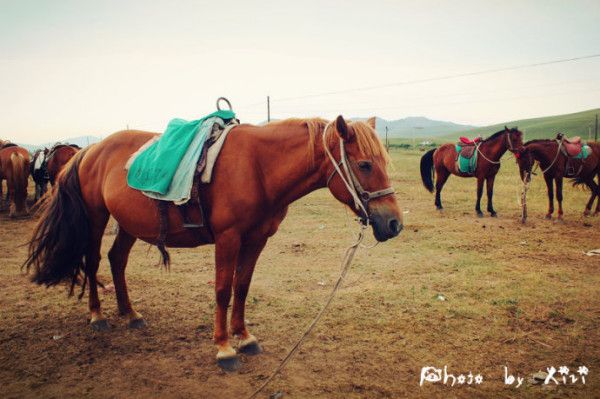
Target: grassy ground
519	296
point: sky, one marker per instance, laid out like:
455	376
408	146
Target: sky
74	68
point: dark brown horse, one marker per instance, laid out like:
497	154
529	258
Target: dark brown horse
14	168
259	172
553	164
58	156
443	161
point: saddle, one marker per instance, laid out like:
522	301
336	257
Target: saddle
468	141
571	146
466	155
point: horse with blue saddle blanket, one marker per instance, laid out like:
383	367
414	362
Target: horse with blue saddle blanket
479	158
259	172
559	158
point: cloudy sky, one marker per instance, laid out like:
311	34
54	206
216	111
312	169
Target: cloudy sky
70	68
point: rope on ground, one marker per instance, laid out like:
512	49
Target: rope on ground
349	255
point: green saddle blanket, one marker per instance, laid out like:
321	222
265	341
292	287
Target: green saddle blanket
585	152
154	169
466	164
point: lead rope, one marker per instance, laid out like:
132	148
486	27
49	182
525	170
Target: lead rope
347	260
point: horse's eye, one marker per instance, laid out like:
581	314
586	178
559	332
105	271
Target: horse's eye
365	166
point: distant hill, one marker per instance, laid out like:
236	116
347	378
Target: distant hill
418	126
577	124
82	141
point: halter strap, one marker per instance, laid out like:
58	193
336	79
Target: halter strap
360	196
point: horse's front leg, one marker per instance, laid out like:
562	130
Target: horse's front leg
559	196
479	194
248	256
550	187
227	248
490	194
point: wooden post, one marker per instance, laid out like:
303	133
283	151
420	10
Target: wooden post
268	109
524	201
387	144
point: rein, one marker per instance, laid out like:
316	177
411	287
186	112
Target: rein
360	196
361	199
348	256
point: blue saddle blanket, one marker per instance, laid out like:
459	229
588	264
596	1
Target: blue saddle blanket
164	168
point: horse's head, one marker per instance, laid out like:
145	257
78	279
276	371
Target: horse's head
515	139
525	161
357	175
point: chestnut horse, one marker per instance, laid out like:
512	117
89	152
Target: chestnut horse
490	150
58	157
553	163
260	171
14	168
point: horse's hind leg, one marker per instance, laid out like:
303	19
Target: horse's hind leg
441	176
249	254
118	256
595	193
597	211
559	196
92	260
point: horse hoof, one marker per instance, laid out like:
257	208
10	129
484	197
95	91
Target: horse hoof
439	208
229	364
548	217
137	323
493	214
251	349
479	214
100	325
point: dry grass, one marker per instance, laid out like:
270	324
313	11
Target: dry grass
521	296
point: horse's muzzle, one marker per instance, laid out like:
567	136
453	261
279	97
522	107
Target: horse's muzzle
385	226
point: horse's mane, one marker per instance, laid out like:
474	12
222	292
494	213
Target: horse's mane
538	141
366	138
497	134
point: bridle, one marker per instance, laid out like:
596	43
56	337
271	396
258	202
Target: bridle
360	196
511	148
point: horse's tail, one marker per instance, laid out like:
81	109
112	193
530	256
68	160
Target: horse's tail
19	180
427	170
60	238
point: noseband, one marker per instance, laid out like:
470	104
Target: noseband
360	196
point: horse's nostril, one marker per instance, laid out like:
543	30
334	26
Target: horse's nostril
395	227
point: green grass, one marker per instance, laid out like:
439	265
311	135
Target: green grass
577	124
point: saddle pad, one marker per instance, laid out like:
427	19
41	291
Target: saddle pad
586	151
466	160
164	168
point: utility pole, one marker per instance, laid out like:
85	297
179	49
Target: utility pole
268	109
596	134
387	144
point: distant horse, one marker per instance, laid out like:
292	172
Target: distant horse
553	163
39	172
490	150
260	171
58	157
14	168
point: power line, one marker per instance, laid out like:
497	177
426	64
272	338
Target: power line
438	78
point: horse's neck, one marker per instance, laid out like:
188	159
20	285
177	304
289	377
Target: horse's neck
289	173
495	148
544	154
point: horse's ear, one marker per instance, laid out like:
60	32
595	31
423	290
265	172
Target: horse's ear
506	128
342	128
372	122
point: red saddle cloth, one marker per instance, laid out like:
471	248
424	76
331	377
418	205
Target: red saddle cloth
468	141
572	146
